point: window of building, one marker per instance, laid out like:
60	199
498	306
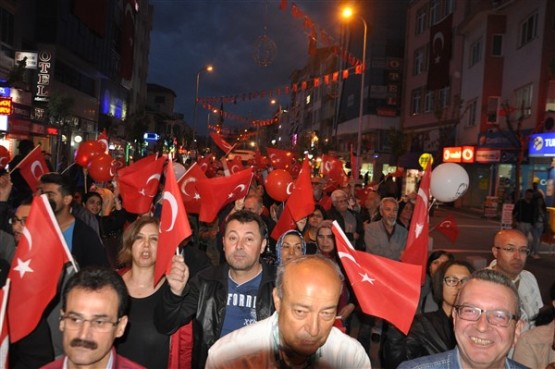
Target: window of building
472	113
420	21
429	102
159	99
416	97
449	6
475	52
444	96
419	65
523	100
434	11
6	32
497	45
528	30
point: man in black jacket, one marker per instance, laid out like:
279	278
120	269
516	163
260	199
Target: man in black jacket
220	299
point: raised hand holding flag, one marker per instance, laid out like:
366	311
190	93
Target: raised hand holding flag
32	167
174	225
384	288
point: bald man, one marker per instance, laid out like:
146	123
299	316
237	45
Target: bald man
510	249
300	333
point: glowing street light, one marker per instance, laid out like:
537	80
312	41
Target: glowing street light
347	13
206	68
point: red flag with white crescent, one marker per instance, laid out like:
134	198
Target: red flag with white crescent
416	251
36	268
174	224
139	183
221	143
384	288
188	188
4	337
32	167
217	192
448	227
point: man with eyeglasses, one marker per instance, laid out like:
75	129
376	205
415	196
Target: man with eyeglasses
94	303
486	323
510	249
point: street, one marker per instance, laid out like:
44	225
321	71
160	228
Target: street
476	239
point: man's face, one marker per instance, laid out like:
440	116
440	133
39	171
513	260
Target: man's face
511	262
388	212
253	205
86	346
307	311
18	221
481	344
94	204
243	245
291	247
58	201
372	201
341	203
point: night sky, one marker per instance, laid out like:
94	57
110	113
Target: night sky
188	35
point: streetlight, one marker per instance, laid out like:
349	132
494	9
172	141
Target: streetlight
347	13
206	68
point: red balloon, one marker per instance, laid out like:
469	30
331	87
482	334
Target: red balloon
101	168
4	157
278	184
86	151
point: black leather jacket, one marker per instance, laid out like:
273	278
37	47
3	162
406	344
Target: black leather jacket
204	301
430	333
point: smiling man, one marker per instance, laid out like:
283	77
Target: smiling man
486	322
224	298
301	333
94	302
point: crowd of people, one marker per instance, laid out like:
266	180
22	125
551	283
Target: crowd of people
236	298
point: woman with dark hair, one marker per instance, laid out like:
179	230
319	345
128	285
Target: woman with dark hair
325	240
318	215
110	226
435	260
432	332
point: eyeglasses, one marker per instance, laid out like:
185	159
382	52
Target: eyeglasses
454	281
512	250
499	318
98	324
14	220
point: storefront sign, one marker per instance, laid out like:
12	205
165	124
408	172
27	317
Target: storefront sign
52	131
30	62
541	144
458	154
5	105
488	156
45	63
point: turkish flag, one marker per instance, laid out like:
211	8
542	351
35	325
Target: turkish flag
235	165
284	223
32	167
440	53
188	187
204	163
103	139
139	183
217	192
221	143
301	199
4	338
36	269
384	288
416	251
448	227
280	159
174	224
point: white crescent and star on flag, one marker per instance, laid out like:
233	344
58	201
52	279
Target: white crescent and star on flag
24	266
168	196
241	188
364	276
437	51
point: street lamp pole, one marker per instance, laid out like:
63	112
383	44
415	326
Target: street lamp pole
361	106
207	68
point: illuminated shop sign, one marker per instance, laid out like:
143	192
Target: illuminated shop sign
541	144
458	154
45	64
5	105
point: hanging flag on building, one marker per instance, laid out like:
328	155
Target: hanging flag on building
440	53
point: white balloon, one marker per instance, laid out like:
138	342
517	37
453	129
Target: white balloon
449	182
178	170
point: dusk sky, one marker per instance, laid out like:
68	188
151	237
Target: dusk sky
188	35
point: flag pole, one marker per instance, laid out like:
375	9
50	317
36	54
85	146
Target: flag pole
69	166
